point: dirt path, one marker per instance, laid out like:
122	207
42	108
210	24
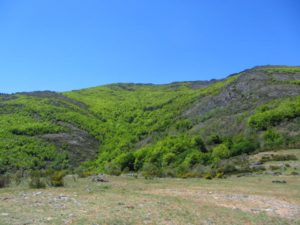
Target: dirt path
244	202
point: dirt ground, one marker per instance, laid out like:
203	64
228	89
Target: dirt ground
126	200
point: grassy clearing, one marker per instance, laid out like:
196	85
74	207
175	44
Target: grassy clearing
286	167
126	200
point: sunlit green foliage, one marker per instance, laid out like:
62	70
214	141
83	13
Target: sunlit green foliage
275	112
243	145
57	178
131	113
219	152
22	120
139	128
214	139
120	116
272	139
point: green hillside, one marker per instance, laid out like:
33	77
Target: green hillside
165	130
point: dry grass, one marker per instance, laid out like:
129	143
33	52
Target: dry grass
126	200
287	167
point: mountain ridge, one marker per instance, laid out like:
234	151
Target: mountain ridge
157	84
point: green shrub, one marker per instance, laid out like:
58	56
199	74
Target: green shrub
168	172
220	152
233	165
284	157
84	173
214	139
278	157
57	178
208	176
150	171
243	146
168	159
199	169
182	169
227	168
36	130
184	124
220	175
4	181
140	156
125	160
275	112
86	169
193	157
272	139
113	169
190	174
199	144
275	167
18	177
36	180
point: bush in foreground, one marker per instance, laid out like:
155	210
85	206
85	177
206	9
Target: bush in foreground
57	178
151	171
4	181
36	180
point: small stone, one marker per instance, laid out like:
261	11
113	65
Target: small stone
99	178
268	210
279	182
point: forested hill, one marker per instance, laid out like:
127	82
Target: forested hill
166	129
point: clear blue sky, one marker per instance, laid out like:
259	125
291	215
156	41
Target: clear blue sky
71	44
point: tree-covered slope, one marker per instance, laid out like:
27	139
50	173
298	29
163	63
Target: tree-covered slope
38	130
159	128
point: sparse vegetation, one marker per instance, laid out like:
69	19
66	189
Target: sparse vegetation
57	178
36	180
4	181
277	157
279	69
126	200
